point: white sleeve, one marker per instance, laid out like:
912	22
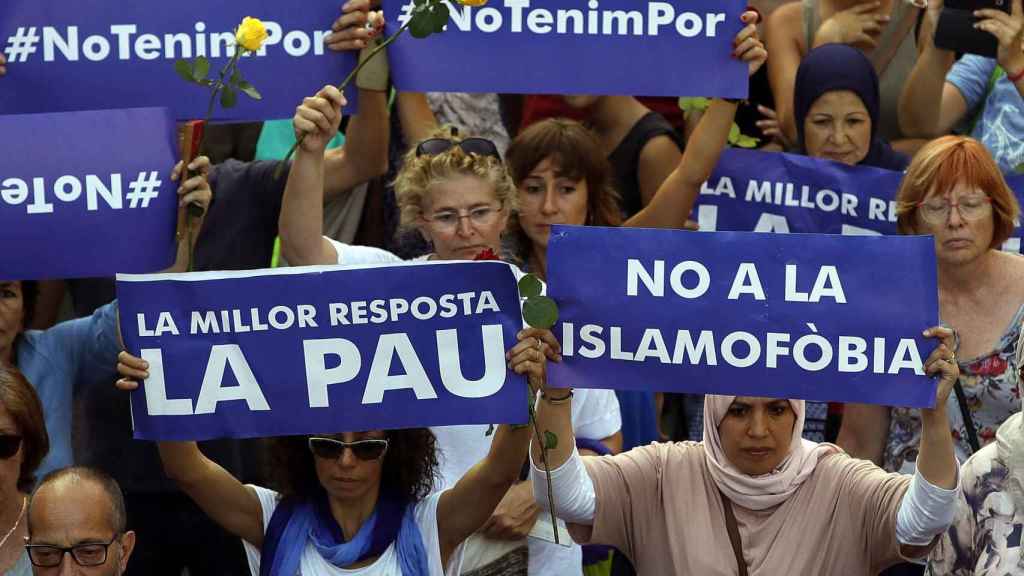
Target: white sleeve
925	511
571	487
357	255
595	414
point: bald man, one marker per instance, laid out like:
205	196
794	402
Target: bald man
76	525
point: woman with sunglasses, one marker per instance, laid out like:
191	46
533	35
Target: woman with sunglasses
357	503
23	444
954	191
457	193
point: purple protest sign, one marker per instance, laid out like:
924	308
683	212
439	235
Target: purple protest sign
812	316
756	191
103	54
86	193
647	48
323	349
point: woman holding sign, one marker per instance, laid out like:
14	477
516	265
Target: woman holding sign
357	503
785	505
563	176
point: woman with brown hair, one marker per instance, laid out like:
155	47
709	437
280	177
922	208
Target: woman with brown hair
23	443
954	191
563	176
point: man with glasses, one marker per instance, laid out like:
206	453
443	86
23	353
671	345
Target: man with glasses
76	525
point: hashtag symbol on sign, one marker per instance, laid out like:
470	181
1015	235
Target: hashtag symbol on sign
22	44
406	13
145	188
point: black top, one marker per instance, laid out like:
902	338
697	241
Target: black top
238	234
625	159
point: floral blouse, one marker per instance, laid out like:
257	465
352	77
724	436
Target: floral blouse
985	538
990	386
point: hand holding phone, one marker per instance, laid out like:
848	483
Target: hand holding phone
970	26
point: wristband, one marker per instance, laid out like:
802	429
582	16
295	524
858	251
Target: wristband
1014	78
374	75
556	401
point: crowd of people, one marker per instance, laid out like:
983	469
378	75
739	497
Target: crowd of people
645	483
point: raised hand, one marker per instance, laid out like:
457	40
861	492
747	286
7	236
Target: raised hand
942	363
356	26
316	120
859	25
747	46
1009	31
197	188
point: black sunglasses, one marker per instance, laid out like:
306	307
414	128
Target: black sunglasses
478	146
331	449
9	444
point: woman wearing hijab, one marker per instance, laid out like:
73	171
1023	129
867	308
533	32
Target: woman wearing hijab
786	505
837	110
985	537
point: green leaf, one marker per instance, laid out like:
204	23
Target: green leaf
200	68
530	286
440	16
236	77
540	312
184	69
694	104
249	90
550	440
747	141
418	2
734	133
421	26
1020	169
228	98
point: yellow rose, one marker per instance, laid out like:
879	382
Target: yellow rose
251	34
473	3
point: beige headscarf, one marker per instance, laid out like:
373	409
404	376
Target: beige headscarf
1010	437
768	490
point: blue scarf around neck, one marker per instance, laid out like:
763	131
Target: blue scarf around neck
298	522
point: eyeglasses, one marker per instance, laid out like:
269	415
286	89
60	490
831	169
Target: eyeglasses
86	554
9	445
971	207
478	146
448	220
331	449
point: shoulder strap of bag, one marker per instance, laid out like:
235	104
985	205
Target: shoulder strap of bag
734	534
965	412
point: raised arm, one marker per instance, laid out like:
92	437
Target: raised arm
465	508
929	505
936	460
783	32
676	196
231	504
365	153
364	156
417	119
929	106
302	209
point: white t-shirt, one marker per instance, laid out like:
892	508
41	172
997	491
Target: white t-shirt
312	564
595	415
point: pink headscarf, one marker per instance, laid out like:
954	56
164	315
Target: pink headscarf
768	490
